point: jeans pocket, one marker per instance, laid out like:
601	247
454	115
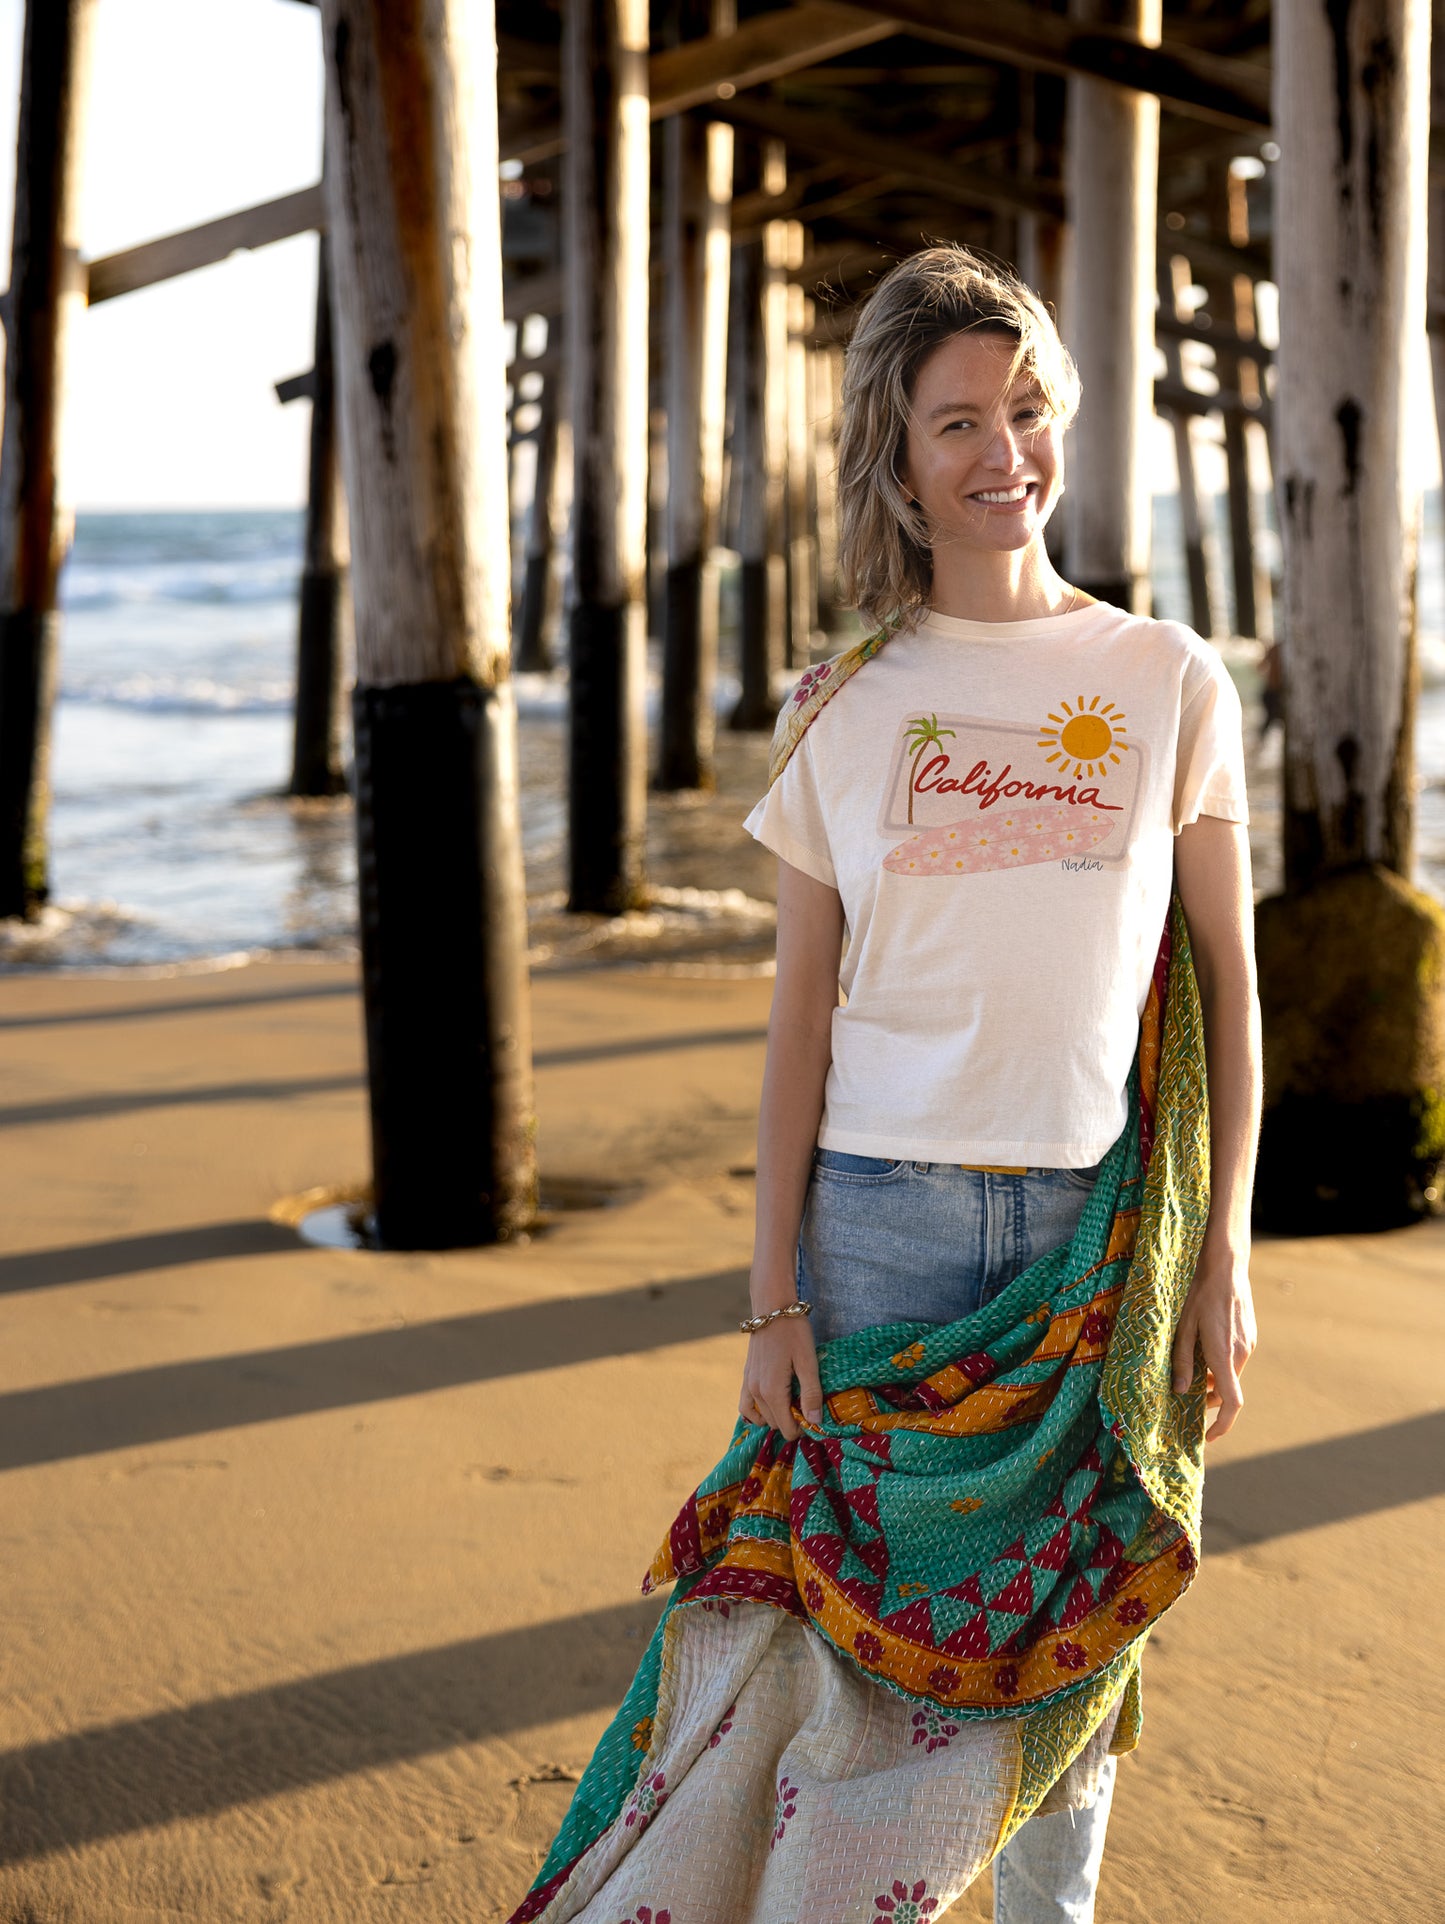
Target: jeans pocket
837	1165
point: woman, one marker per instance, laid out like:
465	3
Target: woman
992	1218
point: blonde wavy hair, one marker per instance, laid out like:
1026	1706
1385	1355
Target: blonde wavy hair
885	561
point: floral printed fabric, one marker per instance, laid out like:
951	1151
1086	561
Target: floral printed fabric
818	1807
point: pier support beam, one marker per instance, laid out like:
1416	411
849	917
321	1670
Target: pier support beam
1352	957
1112	167
760	297
317	766
47	293
801	501
827	378
1231	303
413	215
698	179
605	248
531	649
1174	277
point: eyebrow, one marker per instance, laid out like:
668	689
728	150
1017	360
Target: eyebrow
975	407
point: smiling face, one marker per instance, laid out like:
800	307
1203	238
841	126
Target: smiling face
987	466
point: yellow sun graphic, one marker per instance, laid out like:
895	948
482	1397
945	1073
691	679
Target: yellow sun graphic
1088	737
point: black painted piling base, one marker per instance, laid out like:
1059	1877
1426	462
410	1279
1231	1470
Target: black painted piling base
607	776
317	765
1335	1168
532	655
1352	996
1121	591
685	737
443	936
27	682
759	646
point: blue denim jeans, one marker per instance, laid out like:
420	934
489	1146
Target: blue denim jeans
886	1241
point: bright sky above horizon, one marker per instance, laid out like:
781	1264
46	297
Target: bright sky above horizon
197	111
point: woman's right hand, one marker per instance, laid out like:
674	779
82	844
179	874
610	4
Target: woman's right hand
785	1350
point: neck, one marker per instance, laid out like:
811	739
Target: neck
1019	584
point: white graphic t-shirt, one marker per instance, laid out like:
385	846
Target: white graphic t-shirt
996	804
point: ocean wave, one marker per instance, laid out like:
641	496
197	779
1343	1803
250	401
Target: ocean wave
181	695
228	584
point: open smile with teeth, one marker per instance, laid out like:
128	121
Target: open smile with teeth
1005	497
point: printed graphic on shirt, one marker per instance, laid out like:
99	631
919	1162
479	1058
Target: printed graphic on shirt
979	794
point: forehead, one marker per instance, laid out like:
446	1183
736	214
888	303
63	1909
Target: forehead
968	368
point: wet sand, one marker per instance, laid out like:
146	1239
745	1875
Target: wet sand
321	1566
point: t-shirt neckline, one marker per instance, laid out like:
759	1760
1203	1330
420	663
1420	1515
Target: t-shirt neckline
954	627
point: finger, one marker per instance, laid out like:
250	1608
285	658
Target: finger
1224	1421
1231	1402
810	1389
1183	1361
777	1400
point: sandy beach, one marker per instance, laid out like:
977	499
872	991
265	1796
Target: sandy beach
321	1566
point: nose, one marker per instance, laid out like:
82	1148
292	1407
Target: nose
1004	450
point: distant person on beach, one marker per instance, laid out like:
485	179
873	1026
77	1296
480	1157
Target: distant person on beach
1000	1269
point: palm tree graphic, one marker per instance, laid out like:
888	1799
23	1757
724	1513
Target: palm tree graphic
922	734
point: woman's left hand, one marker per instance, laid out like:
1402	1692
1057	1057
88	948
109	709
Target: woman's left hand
1218	1315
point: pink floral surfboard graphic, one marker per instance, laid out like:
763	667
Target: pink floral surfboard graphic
976	794
1048	833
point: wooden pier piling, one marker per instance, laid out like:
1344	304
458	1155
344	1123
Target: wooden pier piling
1174	277
1231	305
414	223
1111	173
1351	956
531	647
800	515
697	190
606	220
317	762
47	293
759	448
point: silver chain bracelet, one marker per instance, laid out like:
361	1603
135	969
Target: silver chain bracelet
751	1323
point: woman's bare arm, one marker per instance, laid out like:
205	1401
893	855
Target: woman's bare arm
800	1042
1211	870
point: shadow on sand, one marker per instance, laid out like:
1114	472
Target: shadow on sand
173	1400
212	1756
130	1255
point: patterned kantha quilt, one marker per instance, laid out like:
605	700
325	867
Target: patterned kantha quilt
888	1640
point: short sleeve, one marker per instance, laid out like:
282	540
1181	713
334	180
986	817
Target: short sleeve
1209	765
789	818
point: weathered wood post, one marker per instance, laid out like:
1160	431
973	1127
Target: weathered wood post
412	205
1352	957
317	766
800	519
697	187
1231	302
759	447
605	256
1435	225
1174	277
531	652
1112	164
47	293
1040	256
826	368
